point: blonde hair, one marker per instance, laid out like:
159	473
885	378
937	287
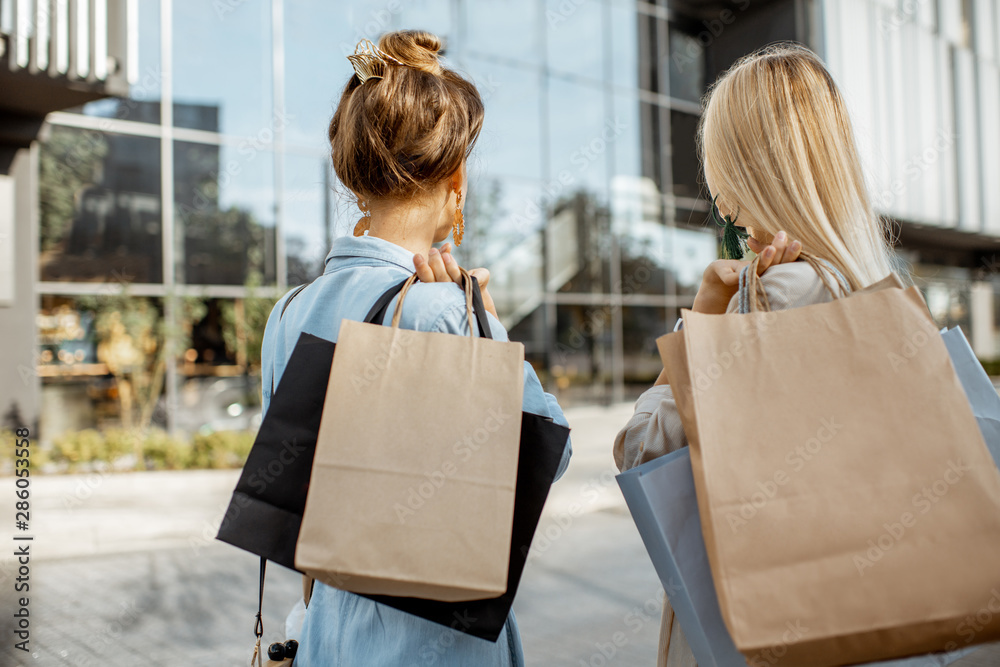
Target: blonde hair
777	136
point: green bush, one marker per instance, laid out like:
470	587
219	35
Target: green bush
163	452
77	450
221	449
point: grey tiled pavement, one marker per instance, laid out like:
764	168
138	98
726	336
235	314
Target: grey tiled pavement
125	573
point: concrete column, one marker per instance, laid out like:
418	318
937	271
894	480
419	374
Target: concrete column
20	390
981	307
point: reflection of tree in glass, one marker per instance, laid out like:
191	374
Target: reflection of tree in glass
482	211
300	268
135	341
69	161
593	240
243	322
221	245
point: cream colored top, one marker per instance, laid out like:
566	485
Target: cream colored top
655	429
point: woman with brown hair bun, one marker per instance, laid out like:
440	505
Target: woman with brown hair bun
399	141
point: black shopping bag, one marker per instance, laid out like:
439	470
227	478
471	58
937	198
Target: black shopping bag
265	512
542	445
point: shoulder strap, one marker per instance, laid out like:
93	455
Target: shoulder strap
378	312
289	299
283	309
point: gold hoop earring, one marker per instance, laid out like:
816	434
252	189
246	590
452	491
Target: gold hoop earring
365	223
458	227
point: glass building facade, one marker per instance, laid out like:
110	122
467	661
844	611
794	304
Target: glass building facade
586	199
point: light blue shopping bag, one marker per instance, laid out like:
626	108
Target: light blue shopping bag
660	495
978	388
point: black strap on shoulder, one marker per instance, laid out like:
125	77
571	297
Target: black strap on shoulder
289	299
378	312
283	309
477	305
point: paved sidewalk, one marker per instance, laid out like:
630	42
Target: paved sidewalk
125	571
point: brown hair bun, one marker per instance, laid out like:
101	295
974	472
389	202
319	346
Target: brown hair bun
390	137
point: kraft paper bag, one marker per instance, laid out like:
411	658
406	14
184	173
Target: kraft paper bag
413	479
661	498
265	512
849	505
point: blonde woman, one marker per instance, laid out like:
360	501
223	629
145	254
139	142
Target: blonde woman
779	153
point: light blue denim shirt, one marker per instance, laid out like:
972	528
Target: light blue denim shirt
341	628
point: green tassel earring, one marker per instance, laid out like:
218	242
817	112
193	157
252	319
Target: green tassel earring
733	237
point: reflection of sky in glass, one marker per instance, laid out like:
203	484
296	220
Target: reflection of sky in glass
430	15
687	67
575	37
250	184
689	252
150	72
303	203
222	57
502	211
579	134
510	143
628	146
506	28
318	35
624	45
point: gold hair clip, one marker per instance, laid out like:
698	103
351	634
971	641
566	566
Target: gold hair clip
369	62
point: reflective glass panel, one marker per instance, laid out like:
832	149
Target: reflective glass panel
222	67
224	212
575	37
99	207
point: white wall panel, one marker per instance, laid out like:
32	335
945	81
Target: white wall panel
984	28
968	140
946	105
989	143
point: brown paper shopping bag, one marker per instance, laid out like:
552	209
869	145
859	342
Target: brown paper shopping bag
850	508
412	486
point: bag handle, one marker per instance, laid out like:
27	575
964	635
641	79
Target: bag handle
753	297
474	306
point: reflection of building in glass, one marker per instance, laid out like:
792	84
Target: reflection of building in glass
586	197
